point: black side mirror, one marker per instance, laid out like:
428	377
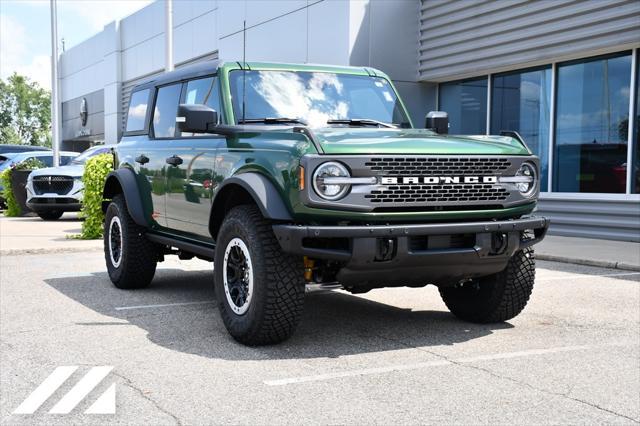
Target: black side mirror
438	121
196	118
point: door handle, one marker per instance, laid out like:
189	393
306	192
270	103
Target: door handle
174	160
142	159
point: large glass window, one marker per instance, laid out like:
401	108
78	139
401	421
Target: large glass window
635	170
164	114
520	101
137	110
466	104
203	91
592	112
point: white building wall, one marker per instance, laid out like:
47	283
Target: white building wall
81	69
112	79
378	33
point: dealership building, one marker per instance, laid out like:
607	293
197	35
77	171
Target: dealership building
563	73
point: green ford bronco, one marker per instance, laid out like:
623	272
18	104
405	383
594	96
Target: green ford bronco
287	176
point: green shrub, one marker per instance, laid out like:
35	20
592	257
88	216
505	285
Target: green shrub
30	164
95	174
13	209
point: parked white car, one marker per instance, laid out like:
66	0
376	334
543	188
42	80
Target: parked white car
55	190
13	158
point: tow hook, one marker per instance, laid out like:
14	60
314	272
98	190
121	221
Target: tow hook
385	249
499	242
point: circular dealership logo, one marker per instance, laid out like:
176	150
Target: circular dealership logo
84	114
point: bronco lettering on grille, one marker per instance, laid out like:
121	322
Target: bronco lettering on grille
417	180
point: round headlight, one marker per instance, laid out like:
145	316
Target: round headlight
528	187
328	190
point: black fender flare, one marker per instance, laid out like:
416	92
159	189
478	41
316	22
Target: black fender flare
259	188
124	181
263	192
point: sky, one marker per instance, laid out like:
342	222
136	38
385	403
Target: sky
25	35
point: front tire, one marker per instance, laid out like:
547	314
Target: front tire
259	289
131	258
50	215
495	298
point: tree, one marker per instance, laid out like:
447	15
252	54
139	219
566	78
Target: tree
25	112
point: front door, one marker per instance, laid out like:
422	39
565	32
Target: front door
190	180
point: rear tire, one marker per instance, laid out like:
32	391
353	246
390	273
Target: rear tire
259	288
131	258
496	298
50	215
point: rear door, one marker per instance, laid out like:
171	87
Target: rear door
191	182
137	151
164	157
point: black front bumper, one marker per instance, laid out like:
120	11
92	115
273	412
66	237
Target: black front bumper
414	254
44	204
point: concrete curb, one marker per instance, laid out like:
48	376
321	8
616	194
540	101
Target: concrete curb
589	262
52	250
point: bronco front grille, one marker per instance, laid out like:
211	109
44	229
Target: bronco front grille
416	183
445	166
60	185
439	193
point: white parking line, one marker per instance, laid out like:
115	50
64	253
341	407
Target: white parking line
575	276
436	363
164	305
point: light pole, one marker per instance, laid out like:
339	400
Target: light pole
55	104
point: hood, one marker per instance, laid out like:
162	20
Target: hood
74	170
413	141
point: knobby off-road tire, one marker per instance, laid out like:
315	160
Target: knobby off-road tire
495	298
262	299
50	215
134	263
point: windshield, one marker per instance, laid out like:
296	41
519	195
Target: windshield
315	97
91	152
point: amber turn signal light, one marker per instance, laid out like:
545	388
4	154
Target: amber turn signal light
301	178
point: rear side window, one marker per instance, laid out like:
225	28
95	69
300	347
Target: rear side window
47	160
65	160
165	111
203	91
137	110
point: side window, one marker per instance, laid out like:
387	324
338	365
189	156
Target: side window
48	160
164	113
137	110
65	160
203	91
100	151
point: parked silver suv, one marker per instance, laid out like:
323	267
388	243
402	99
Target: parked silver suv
55	190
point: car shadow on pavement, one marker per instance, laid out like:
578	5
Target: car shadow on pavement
334	323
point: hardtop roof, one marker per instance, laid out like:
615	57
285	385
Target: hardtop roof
205	68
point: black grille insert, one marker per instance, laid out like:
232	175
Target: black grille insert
439	193
435	166
60	185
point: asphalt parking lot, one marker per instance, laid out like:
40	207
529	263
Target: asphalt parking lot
391	356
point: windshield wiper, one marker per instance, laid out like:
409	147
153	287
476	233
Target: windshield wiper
272	120
361	122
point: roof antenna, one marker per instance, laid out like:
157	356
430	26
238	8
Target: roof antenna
244	68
